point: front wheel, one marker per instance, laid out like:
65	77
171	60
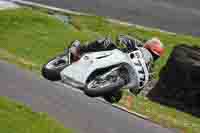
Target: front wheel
101	87
52	69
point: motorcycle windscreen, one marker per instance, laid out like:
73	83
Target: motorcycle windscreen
77	71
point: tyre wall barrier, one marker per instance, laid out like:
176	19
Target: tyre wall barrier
179	83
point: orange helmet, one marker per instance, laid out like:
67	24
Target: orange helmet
155	46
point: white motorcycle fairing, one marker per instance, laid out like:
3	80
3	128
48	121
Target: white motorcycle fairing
78	72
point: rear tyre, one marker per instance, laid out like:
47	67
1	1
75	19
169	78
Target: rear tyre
135	91
113	97
52	69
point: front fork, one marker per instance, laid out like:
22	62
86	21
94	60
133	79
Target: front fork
69	57
117	71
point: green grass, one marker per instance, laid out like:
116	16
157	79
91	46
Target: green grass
17	118
30	38
35	36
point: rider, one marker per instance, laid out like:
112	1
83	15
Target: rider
151	49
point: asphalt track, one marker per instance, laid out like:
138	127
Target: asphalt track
72	108
180	16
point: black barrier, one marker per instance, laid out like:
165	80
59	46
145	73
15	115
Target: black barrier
179	83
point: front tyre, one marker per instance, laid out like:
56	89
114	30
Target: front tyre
52	69
100	87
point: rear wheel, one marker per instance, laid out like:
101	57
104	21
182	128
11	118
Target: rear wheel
135	91
113	97
52	69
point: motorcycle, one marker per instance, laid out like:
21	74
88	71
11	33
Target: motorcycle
100	74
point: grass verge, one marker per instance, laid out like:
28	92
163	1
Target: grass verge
31	37
17	118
